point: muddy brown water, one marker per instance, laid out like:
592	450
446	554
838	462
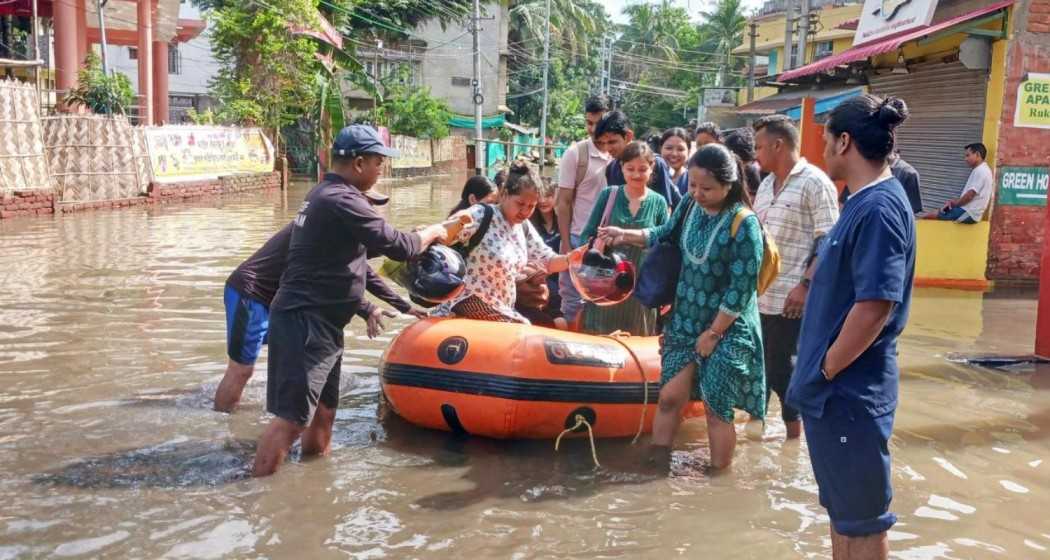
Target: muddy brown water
112	343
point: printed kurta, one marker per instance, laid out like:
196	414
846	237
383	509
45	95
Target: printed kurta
719	273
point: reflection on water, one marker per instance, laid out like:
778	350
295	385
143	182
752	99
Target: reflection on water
112	342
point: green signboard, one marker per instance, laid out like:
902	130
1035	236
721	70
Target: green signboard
1023	186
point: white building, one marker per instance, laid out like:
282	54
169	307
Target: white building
191	68
441	58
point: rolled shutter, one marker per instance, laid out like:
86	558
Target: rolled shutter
946	102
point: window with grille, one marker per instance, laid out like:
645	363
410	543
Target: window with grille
823	49
174	60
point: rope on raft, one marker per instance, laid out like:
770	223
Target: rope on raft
645	382
580	421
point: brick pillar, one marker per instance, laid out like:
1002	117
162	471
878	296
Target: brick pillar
145	29
160	83
66	46
82	40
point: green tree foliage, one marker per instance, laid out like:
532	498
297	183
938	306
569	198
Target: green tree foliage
723	30
266	70
661	53
102	94
576	31
411	110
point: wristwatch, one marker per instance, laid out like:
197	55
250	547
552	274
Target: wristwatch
804	282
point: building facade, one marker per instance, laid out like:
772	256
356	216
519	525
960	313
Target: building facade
972	71
440	57
190	68
833	23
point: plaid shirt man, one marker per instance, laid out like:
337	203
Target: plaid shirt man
805	208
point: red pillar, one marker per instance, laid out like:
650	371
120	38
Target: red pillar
66	41
1042	323
145	28
160	83
82	39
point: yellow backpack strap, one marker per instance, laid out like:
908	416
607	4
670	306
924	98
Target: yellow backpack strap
739	219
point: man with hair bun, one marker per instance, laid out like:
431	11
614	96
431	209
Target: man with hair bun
845	380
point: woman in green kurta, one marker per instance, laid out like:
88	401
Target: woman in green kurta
712	346
635	207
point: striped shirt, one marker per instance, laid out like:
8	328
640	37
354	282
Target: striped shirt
805	208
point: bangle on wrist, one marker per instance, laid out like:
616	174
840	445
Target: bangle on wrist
717	334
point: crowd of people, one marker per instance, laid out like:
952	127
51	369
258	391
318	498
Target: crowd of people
821	336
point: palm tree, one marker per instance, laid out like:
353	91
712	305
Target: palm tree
574	24
651	35
723	30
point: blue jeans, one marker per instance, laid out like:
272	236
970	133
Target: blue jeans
956	214
570	298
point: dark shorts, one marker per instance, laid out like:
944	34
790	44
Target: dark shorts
306	354
851	462
247	323
780	343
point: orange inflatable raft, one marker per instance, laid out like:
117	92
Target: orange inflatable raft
504	380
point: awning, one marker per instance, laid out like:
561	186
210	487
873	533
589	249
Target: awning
790	102
768	106
466	121
883	46
825	104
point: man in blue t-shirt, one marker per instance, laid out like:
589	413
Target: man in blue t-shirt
612	134
846	375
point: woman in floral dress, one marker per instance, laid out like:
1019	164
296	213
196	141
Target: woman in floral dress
712	345
499	260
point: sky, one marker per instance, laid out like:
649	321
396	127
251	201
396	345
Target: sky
615	7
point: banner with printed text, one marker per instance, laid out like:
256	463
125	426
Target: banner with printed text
1033	102
415	152
194	153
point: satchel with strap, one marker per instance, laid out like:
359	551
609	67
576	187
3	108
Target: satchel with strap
658	279
770	269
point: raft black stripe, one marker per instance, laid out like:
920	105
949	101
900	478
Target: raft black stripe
514	388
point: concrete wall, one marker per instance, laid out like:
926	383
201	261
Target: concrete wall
1017	232
443	63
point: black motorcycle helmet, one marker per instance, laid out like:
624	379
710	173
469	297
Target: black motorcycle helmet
602	278
436	275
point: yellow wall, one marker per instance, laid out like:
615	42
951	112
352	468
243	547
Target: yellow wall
950	251
771	39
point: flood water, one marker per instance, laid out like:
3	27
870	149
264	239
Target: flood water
112	342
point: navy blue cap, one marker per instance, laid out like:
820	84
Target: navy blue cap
358	139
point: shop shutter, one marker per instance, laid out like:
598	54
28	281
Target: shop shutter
946	102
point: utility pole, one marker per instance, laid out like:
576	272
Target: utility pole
803	31
375	83
753	35
36	53
546	93
479	98
606	64
789	15
102	35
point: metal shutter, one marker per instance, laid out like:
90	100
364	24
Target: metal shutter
946	102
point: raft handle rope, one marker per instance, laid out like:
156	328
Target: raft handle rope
580	421
617	336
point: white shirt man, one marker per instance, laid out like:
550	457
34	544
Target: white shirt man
970	207
579	183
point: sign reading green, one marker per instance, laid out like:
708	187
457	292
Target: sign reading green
1033	102
1023	186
